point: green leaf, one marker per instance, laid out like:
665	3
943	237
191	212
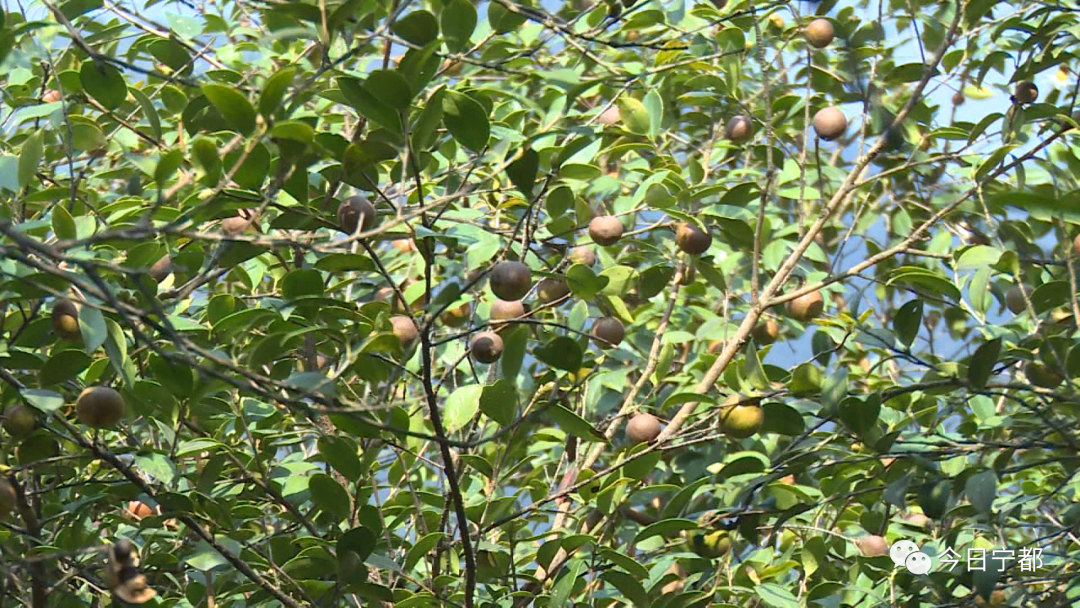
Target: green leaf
654	105
206	154
329	495
635	116
33	149
149	112
422	547
93	328
668	528
418	27
981	489
907	321
776	596
340	453
522	172
302	282
361	541
755	372
104	83
982	363
502	20
561	353
390	88
574	424
834	390
63	224
467	120
274	91
167	166
859	415
43	400
806	380
368	105
584	283
461	406
62	366
499	402
458	22
233	106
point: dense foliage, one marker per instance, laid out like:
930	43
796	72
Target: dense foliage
654	303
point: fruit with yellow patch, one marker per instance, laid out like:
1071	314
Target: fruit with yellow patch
99	407
741	416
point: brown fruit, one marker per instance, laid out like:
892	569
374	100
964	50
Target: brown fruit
19	421
605	230
1042	375
161	269
452	68
7	497
642	428
244	219
503	309
1014	300
138	510
457	316
486	347
51	96
872	546
917	519
677	585
739	129
65	319
610	117
788	480
551	289
715	347
510	280
820	33
403	245
740	421
997	598
355	212
404	329
608	332
830	123
1076	245
958	99
99	407
584	254
806	307
690	238
765	332
1026	92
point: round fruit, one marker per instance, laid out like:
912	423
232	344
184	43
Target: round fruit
806	307
934	498
138	509
739	129
788	480
486	347
510	280
776	21
997	598
161	269
608	332
1076	245
502	310
765	332
830	123
1014	300
65	319
958	99
605	230
1026	92
740	421
710	545
403	245
820	33
355	212
692	239
610	116
243	220
551	289
873	546
99	407
1042	375
7	497
19	421
919	520
457	316
584	254
51	96
642	428
404	329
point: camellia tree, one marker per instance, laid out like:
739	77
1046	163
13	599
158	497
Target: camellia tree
642	303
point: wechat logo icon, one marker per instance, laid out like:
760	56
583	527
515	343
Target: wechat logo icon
906	554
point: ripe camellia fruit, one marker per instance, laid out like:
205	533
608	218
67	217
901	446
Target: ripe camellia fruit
608	332
1026	92
243	220
765	332
1042	375
820	33
739	129
605	230
65	319
19	421
99	407
642	428
919	520
610	117
806	307
7	497
51	96
830	123
740	417
502	310
355	212
692	239
551	289
958	99
138	510
1014	300
1076	243
457	316
404	329
510	280
486	347
872	546
584	254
